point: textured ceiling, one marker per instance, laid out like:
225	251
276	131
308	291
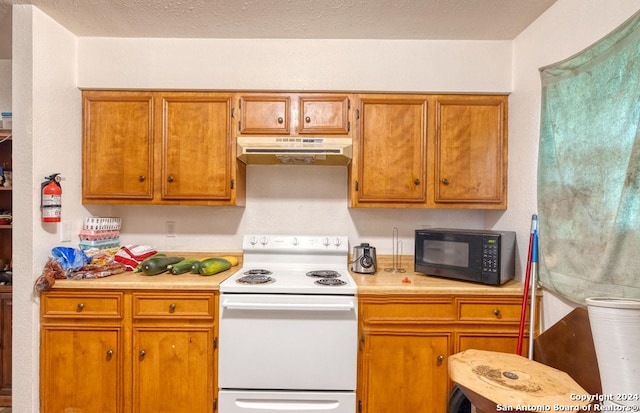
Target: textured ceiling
300	19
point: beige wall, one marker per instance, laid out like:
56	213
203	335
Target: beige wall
568	27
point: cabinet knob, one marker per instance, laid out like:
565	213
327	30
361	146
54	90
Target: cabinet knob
307	119
416	181
496	312
80	306
172	307
142	353
445	181
170	178
280	120
141	178
109	353
440	358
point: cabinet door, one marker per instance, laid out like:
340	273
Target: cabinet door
196	146
81	369
471	150
391	151
117	156
264	114
503	342
175	364
324	114
404	371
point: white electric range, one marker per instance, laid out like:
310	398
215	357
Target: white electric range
288	327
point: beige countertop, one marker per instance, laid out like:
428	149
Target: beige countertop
164	281
383	282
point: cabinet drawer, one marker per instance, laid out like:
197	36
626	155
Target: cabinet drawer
81	305
500	311
432	310
170	306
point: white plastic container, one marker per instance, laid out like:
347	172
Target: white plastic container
615	326
7	122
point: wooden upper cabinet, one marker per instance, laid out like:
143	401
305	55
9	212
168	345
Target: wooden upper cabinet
159	147
324	114
470	165
196	148
389	165
264	114
287	114
117	157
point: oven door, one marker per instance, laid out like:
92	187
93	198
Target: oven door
287	342
269	402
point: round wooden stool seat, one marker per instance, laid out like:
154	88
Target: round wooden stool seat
499	382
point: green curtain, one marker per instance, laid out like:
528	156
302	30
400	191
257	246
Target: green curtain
589	170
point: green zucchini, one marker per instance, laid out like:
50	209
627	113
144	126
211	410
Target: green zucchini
139	266
159	265
195	267
182	267
212	266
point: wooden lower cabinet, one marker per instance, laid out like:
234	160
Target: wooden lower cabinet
405	342
403	370
82	369
127	351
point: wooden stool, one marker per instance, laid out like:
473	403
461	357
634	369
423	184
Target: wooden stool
498	382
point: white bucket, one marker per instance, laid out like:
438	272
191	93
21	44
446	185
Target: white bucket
615	326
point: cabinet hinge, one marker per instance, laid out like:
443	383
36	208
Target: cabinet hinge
233	183
215	405
357	185
215	343
349	126
233	113
359	406
239	128
348	103
357	114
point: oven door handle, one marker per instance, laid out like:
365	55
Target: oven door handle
231	305
283	405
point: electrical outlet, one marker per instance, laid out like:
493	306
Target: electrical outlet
171	228
65	231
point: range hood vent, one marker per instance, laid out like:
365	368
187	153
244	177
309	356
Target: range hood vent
294	151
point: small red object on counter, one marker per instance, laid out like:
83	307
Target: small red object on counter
406	280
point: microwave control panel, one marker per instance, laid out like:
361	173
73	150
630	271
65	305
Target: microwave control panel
490	254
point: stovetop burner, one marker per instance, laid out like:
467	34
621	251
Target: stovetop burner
323	274
330	282
258	271
256	278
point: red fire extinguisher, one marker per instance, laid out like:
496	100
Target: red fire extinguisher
51	198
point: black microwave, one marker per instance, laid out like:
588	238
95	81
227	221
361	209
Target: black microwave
482	256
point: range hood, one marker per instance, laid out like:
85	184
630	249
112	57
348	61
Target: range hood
270	150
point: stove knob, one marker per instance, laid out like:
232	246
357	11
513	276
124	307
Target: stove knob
253	240
295	241
337	242
264	241
326	242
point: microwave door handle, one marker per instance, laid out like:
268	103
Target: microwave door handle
231	305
